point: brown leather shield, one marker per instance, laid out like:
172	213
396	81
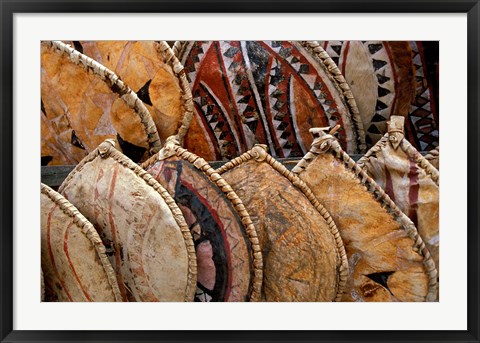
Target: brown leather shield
229	260
151	69
387	78
303	255
387	257
408	179
75	266
83	103
147	239
267	92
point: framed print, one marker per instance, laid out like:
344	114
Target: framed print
321	251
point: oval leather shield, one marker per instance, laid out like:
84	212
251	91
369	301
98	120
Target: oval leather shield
151	69
387	78
229	263
75	267
408	179
388	259
303	254
83	103
266	92
147	239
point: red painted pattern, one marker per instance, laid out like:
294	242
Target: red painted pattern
50	252
345	55
296	76
65	248
222	230
395	77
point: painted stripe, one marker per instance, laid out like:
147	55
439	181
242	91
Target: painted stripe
236	113
345	56
207	131
65	248
50	252
253	85
268	110
389	185
215	216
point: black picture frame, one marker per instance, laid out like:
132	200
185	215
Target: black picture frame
9	8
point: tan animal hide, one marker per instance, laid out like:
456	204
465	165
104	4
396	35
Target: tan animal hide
387	258
153	72
303	255
75	266
83	103
147	239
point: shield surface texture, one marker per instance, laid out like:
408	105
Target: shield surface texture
387	257
229	263
75	267
147	239
154	73
303	255
83	103
389	78
408	179
266	92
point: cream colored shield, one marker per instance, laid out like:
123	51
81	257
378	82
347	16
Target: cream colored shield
151	69
408	179
387	257
74	264
83	103
303	255
229	260
147	239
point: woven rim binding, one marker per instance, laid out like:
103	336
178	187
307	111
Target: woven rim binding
328	144
107	149
89	231
433	154
411	153
168	56
260	154
339	79
178	46
117	86
202	165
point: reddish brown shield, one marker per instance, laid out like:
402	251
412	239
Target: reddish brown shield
74	264
229	259
268	92
388	78
147	239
